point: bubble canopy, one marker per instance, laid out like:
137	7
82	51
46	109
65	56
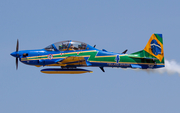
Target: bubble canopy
68	45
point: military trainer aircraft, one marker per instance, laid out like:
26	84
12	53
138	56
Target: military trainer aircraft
70	55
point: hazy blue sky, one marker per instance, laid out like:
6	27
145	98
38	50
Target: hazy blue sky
114	25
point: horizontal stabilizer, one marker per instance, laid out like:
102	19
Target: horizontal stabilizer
146	58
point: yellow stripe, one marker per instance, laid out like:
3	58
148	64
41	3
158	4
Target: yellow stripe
105	56
36	57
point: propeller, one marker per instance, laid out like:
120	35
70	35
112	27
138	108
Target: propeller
16	63
17	49
17	54
17	46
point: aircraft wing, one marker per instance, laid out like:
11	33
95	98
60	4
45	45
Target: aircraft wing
73	60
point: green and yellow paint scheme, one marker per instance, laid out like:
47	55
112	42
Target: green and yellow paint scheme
72	54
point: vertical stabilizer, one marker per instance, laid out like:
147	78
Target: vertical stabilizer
155	47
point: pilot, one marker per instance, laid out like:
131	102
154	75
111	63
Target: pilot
79	47
64	47
83	46
60	47
71	47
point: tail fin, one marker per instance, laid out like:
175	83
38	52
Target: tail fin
154	47
153	50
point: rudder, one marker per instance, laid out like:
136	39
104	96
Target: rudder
155	47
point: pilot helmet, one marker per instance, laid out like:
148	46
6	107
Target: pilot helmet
60	46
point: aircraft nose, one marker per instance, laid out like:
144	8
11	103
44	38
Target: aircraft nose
14	54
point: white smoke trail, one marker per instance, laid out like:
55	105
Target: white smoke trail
171	67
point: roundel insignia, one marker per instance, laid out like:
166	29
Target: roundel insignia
50	56
155	47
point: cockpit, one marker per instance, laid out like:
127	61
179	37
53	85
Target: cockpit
67	46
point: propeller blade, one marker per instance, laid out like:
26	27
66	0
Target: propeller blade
17	49
16	63
17	46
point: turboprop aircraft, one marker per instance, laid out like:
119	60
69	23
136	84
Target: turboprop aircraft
70	55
